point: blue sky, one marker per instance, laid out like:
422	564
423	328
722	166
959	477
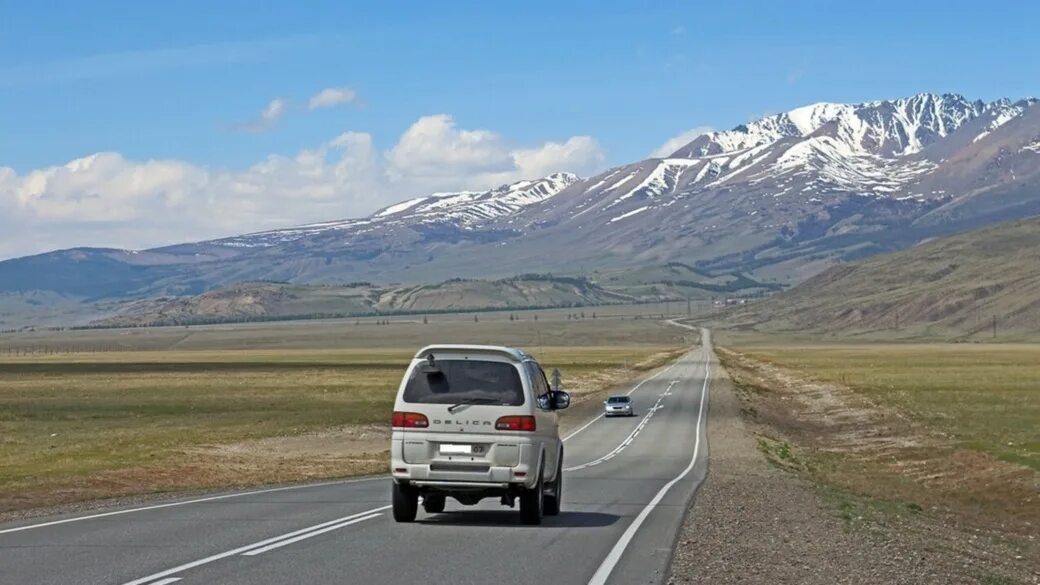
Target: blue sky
186	82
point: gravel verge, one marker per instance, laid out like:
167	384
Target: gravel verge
752	522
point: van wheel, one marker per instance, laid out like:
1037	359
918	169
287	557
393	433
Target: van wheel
554	495
433	504
532	503
406	502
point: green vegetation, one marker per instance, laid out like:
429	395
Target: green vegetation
986	398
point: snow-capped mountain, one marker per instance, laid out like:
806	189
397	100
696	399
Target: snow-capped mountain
756	195
467	210
780	197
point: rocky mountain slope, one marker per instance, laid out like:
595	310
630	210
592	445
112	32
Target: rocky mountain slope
780	198
958	286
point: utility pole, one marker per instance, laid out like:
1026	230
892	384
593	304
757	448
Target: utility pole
688	311
994	326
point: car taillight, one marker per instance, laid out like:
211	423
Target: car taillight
410	420
515	423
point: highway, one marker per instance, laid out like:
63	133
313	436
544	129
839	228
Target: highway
628	484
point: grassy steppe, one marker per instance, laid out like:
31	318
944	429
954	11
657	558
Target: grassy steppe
984	397
937	439
84	426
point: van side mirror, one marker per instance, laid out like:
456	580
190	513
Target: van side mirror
560	400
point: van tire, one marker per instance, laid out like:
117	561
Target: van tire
433	504
405	502
555	495
532	502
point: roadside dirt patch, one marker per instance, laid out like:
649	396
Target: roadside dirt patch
342	452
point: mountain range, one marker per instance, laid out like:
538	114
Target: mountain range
778	199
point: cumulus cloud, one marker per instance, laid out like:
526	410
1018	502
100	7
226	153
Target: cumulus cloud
107	200
433	146
267	119
433	151
676	142
332	96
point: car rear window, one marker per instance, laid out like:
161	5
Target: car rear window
618	399
466	380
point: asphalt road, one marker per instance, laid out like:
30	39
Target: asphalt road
628	483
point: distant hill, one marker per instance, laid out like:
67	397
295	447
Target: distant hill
953	287
265	300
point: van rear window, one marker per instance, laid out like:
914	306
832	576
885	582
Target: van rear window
460	381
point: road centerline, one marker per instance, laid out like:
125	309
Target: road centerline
295	539
213	558
614	556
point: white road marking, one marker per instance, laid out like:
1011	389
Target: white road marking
629	393
184	503
627	440
166	581
279	544
249	547
608	564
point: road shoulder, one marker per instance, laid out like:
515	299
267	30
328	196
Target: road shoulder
753	522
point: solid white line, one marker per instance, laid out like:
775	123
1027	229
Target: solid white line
185	503
166	581
608	564
629	393
248	547
279	544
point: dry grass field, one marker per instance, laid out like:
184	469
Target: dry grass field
243	405
894	429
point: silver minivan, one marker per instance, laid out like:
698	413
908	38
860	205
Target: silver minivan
472	422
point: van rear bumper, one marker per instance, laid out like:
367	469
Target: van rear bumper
466	472
439	476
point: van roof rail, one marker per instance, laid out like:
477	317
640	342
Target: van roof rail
499	350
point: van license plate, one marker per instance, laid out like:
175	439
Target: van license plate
456	449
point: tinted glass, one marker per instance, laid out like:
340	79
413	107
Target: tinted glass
618	399
541	386
466	380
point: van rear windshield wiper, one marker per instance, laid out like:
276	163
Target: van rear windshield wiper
467	401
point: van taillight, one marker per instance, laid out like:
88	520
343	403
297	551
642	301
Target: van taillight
515	423
410	420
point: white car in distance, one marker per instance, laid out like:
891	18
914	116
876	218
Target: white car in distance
618	406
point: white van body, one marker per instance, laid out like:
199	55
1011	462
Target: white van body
474	421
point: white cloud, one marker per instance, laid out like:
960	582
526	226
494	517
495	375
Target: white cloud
107	200
580	154
434	152
676	142
267	119
434	147
332	96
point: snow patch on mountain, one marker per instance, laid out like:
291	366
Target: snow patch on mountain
465	209
888	128
630	213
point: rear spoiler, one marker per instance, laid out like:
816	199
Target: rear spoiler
506	352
